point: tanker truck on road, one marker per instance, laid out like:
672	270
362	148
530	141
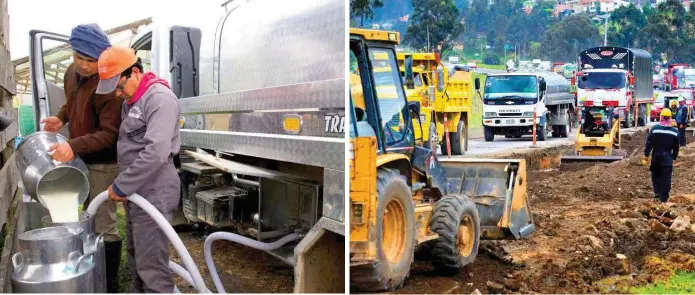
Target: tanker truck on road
511	100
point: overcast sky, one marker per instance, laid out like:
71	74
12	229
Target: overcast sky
60	16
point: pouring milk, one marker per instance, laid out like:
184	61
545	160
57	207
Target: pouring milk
63	206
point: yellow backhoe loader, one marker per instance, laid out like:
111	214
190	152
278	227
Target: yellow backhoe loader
598	138
402	196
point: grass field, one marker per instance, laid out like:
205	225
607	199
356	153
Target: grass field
681	283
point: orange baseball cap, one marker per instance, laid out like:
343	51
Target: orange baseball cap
112	62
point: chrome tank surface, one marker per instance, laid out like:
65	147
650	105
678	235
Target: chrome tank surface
91	243
42	175
53	260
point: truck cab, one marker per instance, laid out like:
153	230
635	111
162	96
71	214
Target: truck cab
616	77
512	101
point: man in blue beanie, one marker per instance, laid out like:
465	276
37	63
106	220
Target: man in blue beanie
94	121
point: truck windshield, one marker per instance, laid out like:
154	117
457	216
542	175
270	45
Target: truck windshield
416	79
602	80
510	87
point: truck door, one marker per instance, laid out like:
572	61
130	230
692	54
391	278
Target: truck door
50	55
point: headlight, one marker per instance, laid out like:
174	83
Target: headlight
490	114
528	114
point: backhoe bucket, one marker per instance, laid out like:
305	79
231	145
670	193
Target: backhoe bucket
498	188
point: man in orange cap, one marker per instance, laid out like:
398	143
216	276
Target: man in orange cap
147	143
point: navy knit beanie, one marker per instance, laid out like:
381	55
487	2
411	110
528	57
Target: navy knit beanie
89	40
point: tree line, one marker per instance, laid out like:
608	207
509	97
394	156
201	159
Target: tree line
498	28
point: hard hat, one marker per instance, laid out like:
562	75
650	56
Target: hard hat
665	113
681	99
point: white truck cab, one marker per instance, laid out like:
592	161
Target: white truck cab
511	102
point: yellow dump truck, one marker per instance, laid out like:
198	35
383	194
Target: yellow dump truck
444	97
401	195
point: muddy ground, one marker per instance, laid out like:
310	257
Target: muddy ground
242	269
597	231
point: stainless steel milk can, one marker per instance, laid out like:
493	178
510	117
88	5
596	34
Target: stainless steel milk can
53	260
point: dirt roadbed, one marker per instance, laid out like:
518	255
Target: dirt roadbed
241	269
597	230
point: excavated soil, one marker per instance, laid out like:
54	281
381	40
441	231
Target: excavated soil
597	220
597	230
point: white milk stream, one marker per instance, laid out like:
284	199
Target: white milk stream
62	205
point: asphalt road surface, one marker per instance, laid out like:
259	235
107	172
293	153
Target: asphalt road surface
479	146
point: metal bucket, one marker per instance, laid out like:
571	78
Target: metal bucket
91	243
42	175
52	260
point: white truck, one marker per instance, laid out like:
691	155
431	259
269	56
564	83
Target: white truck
616	77
511	100
262	92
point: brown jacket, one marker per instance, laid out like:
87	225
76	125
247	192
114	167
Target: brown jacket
94	119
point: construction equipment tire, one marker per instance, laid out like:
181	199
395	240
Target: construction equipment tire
396	240
489	135
458	139
455	219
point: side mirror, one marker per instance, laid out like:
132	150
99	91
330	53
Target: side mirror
408	65
184	61
414	108
477	83
542	85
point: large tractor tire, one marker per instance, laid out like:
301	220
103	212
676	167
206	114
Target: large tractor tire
489	134
456	221
396	240
458	139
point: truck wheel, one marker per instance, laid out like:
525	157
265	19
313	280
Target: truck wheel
642	116
564	130
556	131
395	227
458	139
489	134
455	219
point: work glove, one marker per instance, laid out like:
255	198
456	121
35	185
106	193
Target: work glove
644	161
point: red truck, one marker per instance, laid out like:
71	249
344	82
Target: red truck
670	79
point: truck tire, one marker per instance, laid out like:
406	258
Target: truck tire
564	130
396	240
489	134
627	123
455	219
556	131
458	139
642	115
